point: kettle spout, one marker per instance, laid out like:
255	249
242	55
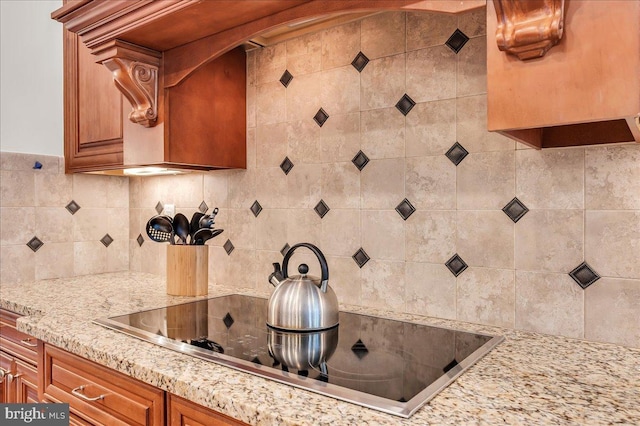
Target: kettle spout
276	276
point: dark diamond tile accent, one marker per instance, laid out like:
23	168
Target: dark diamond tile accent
286	165
360	61
360	160
584	275
203	207
34	244
321	208
456	265
405	104
228	320
255	360
515	209
320	117
450	365
159	207
228	247
72	207
285	249
106	240
361	257
456	153
359	349
140	240
405	209
457	40
286	78
256	208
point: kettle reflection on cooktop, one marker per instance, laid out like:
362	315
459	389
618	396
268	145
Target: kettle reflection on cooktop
388	365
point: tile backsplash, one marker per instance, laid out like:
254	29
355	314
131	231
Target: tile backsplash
416	206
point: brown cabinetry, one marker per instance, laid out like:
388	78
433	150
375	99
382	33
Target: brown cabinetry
18	362
182	413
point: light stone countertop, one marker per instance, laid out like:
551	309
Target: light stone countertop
528	379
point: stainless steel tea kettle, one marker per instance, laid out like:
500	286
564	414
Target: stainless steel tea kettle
301	302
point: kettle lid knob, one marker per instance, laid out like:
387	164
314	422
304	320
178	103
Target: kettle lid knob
303	268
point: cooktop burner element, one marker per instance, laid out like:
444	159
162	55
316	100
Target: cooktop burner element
391	366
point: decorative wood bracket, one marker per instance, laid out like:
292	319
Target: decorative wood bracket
528	29
135	72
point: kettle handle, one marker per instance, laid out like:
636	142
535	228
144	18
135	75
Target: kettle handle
324	268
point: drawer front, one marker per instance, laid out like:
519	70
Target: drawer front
186	413
99	394
16	342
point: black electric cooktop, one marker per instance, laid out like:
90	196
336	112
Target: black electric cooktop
387	365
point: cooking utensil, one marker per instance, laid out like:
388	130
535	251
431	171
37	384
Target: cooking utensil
302	302
160	229
181	227
203	235
194	224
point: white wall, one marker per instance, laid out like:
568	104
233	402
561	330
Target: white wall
31	117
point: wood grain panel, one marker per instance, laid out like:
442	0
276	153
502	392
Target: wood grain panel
181	412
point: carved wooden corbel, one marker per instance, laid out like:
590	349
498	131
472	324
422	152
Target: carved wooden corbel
528	28
135	72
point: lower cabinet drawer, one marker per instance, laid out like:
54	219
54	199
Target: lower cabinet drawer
99	395
16	342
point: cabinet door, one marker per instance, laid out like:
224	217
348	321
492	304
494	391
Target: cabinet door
5	372
185	413
26	383
92	111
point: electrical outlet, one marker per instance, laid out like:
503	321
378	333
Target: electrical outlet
169	210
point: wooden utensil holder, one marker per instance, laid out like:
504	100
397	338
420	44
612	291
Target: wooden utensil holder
187	270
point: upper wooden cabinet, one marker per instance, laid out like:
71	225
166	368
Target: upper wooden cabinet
585	90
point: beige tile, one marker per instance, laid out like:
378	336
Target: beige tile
382	183
17	225
271	187
271	61
431	128
430	289
251	148
17	189
340	45
473	23
242	188
549	240
153	258
18	264
303	139
383	284
55	224
340	185
431	182
271	229
118	192
304	186
611	311
118	256
241	225
271	103
216	188
90	191
485	238
341	232
186	191
383	34
431	236
471	77
431	74
137	222
340	138
218	265
344	278
252	98
242	269
271	144
304	54
53	190
471	127
251	67
486	296
303	225
486	181
382	133
340	92
89	257
304	97
383	82
117	223
612	176
16	161
550	179
135	188
429	29
89	224
549	303
135	255
383	234
612	243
